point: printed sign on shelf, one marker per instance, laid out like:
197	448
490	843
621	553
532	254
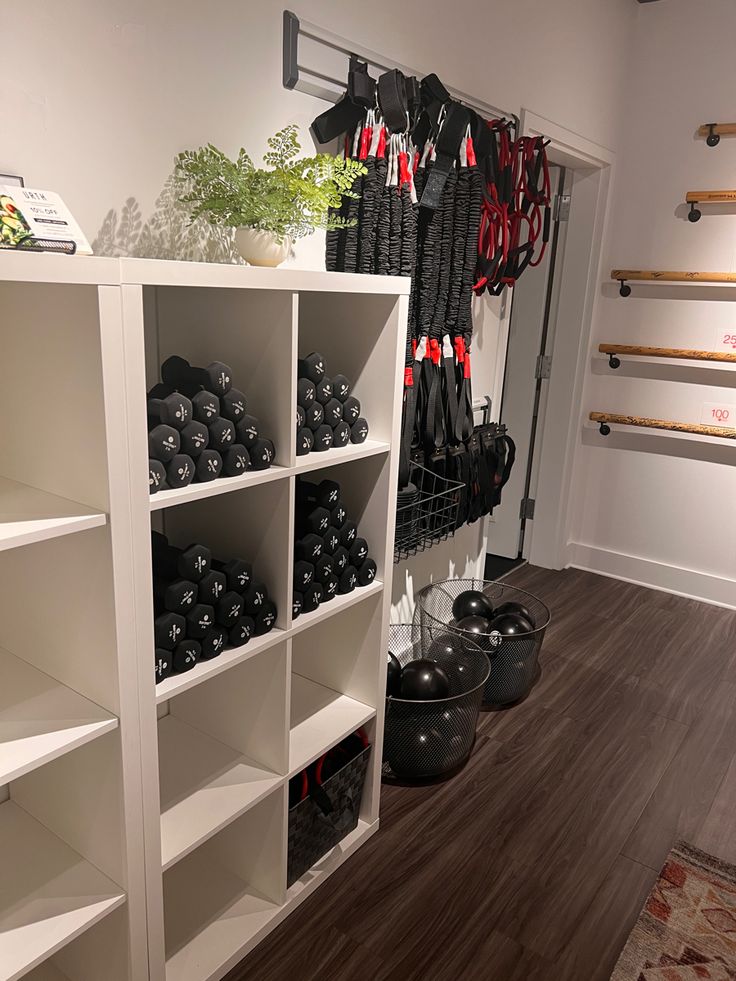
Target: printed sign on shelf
27	212
718	414
725	339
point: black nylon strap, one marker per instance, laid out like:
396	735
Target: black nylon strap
361	87
338	119
448	365
447	147
392	100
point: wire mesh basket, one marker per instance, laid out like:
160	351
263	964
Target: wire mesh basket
428	739
426	512
514	660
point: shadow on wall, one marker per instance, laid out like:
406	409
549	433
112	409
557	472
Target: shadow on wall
167	234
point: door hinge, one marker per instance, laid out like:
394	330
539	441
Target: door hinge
544	366
561	210
527	507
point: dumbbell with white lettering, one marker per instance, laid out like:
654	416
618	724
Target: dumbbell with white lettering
192	562
185	378
326	494
178	596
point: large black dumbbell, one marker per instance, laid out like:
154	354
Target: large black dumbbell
216	377
242	631
222	434
315	521
341	434
246	431
303	575
169	629
236	461
265	619
304	442
347	580
358	551
180	471
175	597
186	655
324	391
330	587
194	438
164	443
296	605
306	393
312	367
309	548
322	439
331	540
367	572
348	534
340	387
339	516
208	466
174	410
340	559
163	666
213	643
312	597
359	431
238	572
192	562
262	453
323	569
200	619
351	410
212	587
230	608
205	407
315	415
333	413
233	405
156	476
325	494
255	596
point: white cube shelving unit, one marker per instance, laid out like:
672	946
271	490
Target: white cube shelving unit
148	823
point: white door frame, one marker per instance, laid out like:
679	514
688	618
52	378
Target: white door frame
593	166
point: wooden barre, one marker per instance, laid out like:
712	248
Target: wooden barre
709	131
710	197
668	352
678	427
658	275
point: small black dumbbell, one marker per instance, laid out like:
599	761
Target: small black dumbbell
340	559
322	569
324	390
180	471
186	655
304	442
312	367
213	643
192	562
235	461
315	521
208	466
246	431
303	575
222	434
348	580
315	416
238	572
194	438
312	597
212	587
255	596
175	597
216	377
326	494
169	629
156	476
358	551
175	410
351	410
242	631
331	540
230	608
301	418
200	619
296	605
331	587
265	619
233	405
348	534
333	413
262	453
205	407
339	516
367	572
340	387
164	443
306	393
163	665
359	431
309	548
322	439
341	434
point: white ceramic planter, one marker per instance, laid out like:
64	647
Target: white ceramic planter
260	248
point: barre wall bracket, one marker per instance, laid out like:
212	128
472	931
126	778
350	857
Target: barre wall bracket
713	138
624	288
613	361
604	429
695	214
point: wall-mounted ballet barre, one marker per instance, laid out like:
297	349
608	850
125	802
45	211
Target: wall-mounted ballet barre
679	353
662	276
712	132
605	419
706	197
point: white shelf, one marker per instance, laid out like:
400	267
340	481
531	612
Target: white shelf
175	684
41	719
326	610
320	718
30	515
340	454
223	485
204	785
48	971
47	267
48	893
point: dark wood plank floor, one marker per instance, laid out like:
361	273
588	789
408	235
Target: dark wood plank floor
533	863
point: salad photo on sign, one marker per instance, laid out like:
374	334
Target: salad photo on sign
13	225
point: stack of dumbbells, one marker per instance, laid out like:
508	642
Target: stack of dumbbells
202	605
330	558
198	427
326	414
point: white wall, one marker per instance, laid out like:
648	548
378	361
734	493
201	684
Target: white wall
653	508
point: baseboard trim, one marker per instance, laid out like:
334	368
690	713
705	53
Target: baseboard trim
690	583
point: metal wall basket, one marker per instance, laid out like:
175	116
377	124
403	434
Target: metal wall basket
426	512
514	661
423	740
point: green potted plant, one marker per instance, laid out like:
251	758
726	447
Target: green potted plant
267	207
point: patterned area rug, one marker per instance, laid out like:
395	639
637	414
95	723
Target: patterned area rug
687	929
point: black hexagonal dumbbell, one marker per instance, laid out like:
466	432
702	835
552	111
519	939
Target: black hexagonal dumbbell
186	655
340	387
351	410
323	569
296	605
262	454
324	390
331	540
309	548
333	413
348	534
230	608
164	442
265	619
194	438
222	434
200	619
339	516
347	580
358	551
312	597
314	521
242	631
156	476
301	418
216	377
205	407
213	643
367	572
233	405
192	562
180	471
236	461
312	367
340	559
322	439
325	494
212	587
304	442
306	393
162	664
359	431
237	572
178	596
315	416
247	432
208	466
255	596
169	630
173	410
331	587
341	434
303	575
